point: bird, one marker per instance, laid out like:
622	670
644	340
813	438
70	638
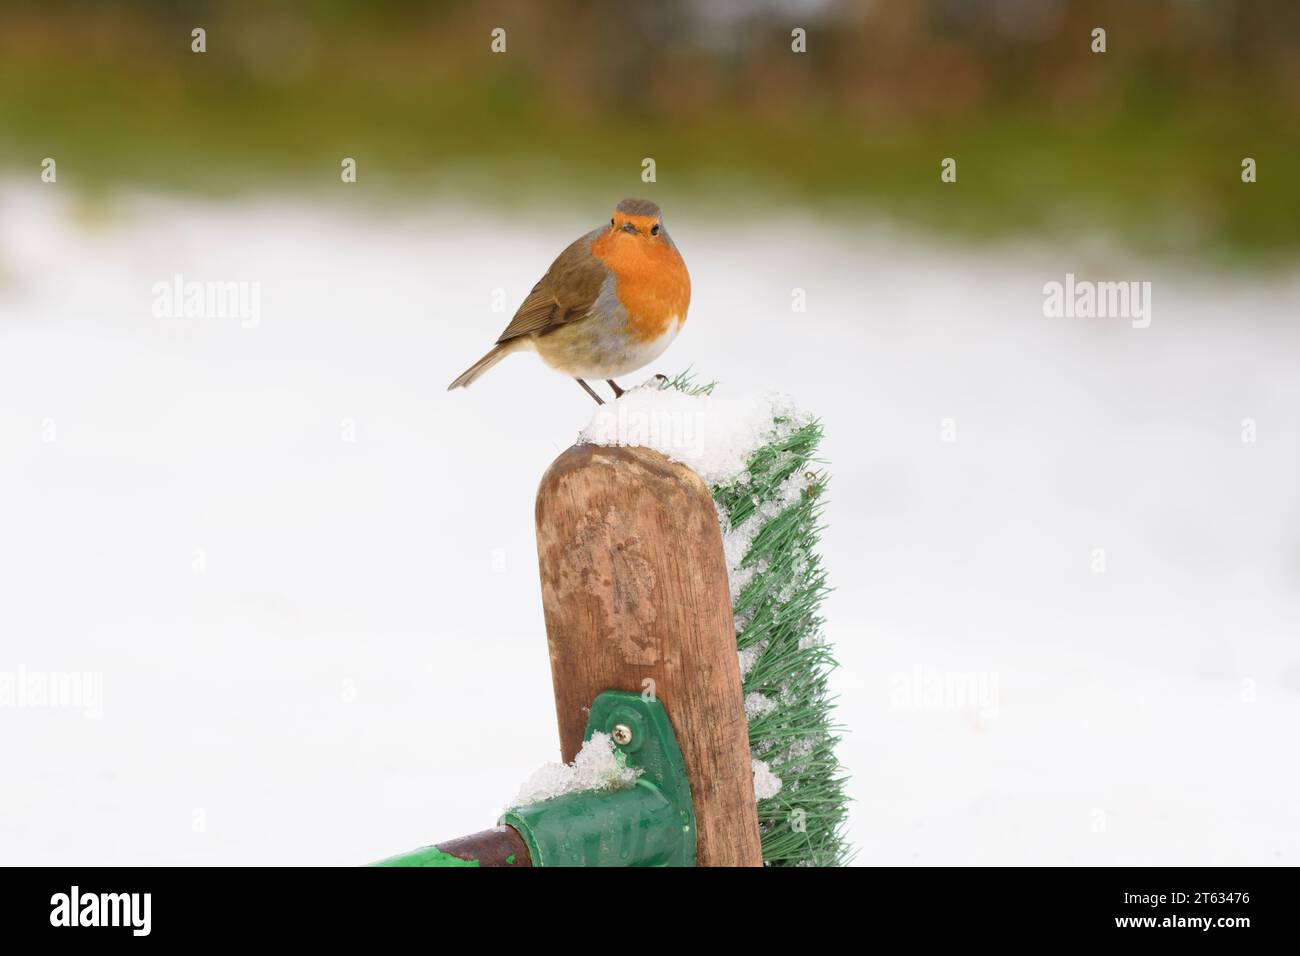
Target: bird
610	303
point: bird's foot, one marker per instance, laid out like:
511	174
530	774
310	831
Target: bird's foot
588	389
618	392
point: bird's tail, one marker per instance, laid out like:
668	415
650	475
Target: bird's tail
482	365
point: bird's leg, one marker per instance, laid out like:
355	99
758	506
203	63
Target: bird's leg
588	390
618	392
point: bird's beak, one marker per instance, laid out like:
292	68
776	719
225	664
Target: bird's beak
628	227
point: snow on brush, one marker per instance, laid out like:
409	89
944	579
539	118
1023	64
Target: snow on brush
597	766
766	783
736	541
714	435
756	705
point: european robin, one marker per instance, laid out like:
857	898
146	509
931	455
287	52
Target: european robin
608	305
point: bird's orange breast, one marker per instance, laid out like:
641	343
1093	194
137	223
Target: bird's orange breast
651	282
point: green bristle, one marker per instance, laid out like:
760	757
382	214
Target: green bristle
779	610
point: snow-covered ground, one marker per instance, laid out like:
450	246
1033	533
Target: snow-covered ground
303	576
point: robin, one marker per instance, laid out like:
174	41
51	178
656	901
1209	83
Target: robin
608	305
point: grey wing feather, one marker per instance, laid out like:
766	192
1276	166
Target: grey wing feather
565	294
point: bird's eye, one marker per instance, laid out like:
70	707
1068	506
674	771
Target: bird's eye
654	230
611	222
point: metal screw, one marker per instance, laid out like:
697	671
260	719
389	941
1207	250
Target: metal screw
622	734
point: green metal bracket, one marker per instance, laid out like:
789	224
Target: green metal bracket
651	823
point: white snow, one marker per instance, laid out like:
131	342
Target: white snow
596	766
749	657
756	705
715	435
766	783
737	540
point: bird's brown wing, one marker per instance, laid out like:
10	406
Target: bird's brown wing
565	294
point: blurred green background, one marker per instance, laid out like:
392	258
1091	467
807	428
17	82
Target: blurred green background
1143	142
